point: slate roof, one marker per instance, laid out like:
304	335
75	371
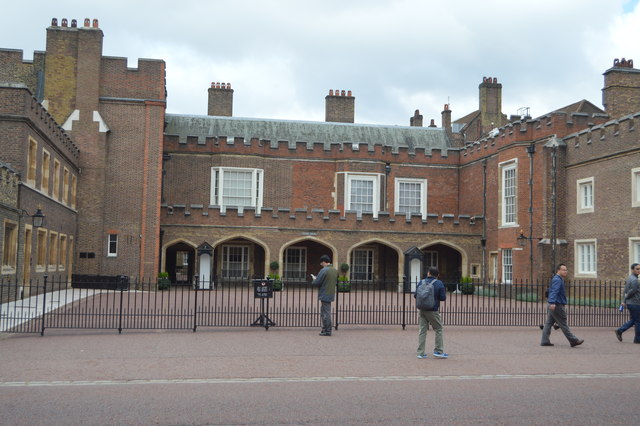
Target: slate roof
309	132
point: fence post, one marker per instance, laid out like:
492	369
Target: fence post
120	316
44	304
195	307
404	300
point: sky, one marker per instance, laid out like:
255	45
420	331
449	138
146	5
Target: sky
283	56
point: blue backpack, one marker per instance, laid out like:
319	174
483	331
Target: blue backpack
425	295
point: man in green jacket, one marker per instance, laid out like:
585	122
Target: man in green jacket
326	279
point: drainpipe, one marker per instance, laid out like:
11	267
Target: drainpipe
483	241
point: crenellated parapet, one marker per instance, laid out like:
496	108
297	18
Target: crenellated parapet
27	106
609	138
201	215
557	123
317	150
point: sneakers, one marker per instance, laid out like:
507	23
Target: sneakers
440	355
423	356
619	335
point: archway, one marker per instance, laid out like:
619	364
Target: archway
447	259
180	263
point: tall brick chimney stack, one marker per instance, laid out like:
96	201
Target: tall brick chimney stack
339	107
621	92
490	104
446	120
416	120
220	100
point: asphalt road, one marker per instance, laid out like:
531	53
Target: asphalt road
293	376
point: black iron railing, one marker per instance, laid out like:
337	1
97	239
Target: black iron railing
36	306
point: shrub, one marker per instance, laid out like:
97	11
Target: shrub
343	285
527	297
163	281
467	288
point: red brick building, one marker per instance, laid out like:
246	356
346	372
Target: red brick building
218	197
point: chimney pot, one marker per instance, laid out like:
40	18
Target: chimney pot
349	93
54	23
95	23
64	22
74	23
87	22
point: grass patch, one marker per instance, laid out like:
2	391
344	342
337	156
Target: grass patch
487	292
596	303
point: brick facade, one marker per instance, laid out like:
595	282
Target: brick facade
148	177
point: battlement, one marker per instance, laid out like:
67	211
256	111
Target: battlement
608	138
287	149
557	123
29	107
316	218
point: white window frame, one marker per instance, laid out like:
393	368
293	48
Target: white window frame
586	258
507	218
585	195
635	187
244	262
507	266
634	250
422	192
430	259
112	245
362	271
217	197
375	179
295	271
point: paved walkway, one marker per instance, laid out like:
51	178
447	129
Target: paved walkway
352	353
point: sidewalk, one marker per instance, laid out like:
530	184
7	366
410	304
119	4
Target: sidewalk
286	353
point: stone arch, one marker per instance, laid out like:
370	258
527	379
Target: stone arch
178	260
388	263
259	254
452	259
313	248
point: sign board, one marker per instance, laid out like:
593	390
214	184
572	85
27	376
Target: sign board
263	289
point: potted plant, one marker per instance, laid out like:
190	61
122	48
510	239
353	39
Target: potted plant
344	285
277	282
163	281
466	285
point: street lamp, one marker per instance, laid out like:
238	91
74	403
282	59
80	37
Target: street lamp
37	219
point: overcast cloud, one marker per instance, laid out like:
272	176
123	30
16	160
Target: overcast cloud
396	56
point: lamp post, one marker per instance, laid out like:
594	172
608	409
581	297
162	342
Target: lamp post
37	220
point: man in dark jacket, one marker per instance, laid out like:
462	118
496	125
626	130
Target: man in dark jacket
326	279
632	302
432	317
555	309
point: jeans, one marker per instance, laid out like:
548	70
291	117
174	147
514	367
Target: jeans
634	310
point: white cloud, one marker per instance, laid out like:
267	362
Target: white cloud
282	56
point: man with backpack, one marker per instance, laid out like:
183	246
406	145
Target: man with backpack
429	293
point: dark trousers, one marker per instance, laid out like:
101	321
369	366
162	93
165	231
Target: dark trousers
325	316
559	316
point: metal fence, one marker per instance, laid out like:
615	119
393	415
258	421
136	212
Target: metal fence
140	304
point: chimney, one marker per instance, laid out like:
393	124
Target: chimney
339	107
416	120
490	104
220	100
621	92
446	121
433	123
